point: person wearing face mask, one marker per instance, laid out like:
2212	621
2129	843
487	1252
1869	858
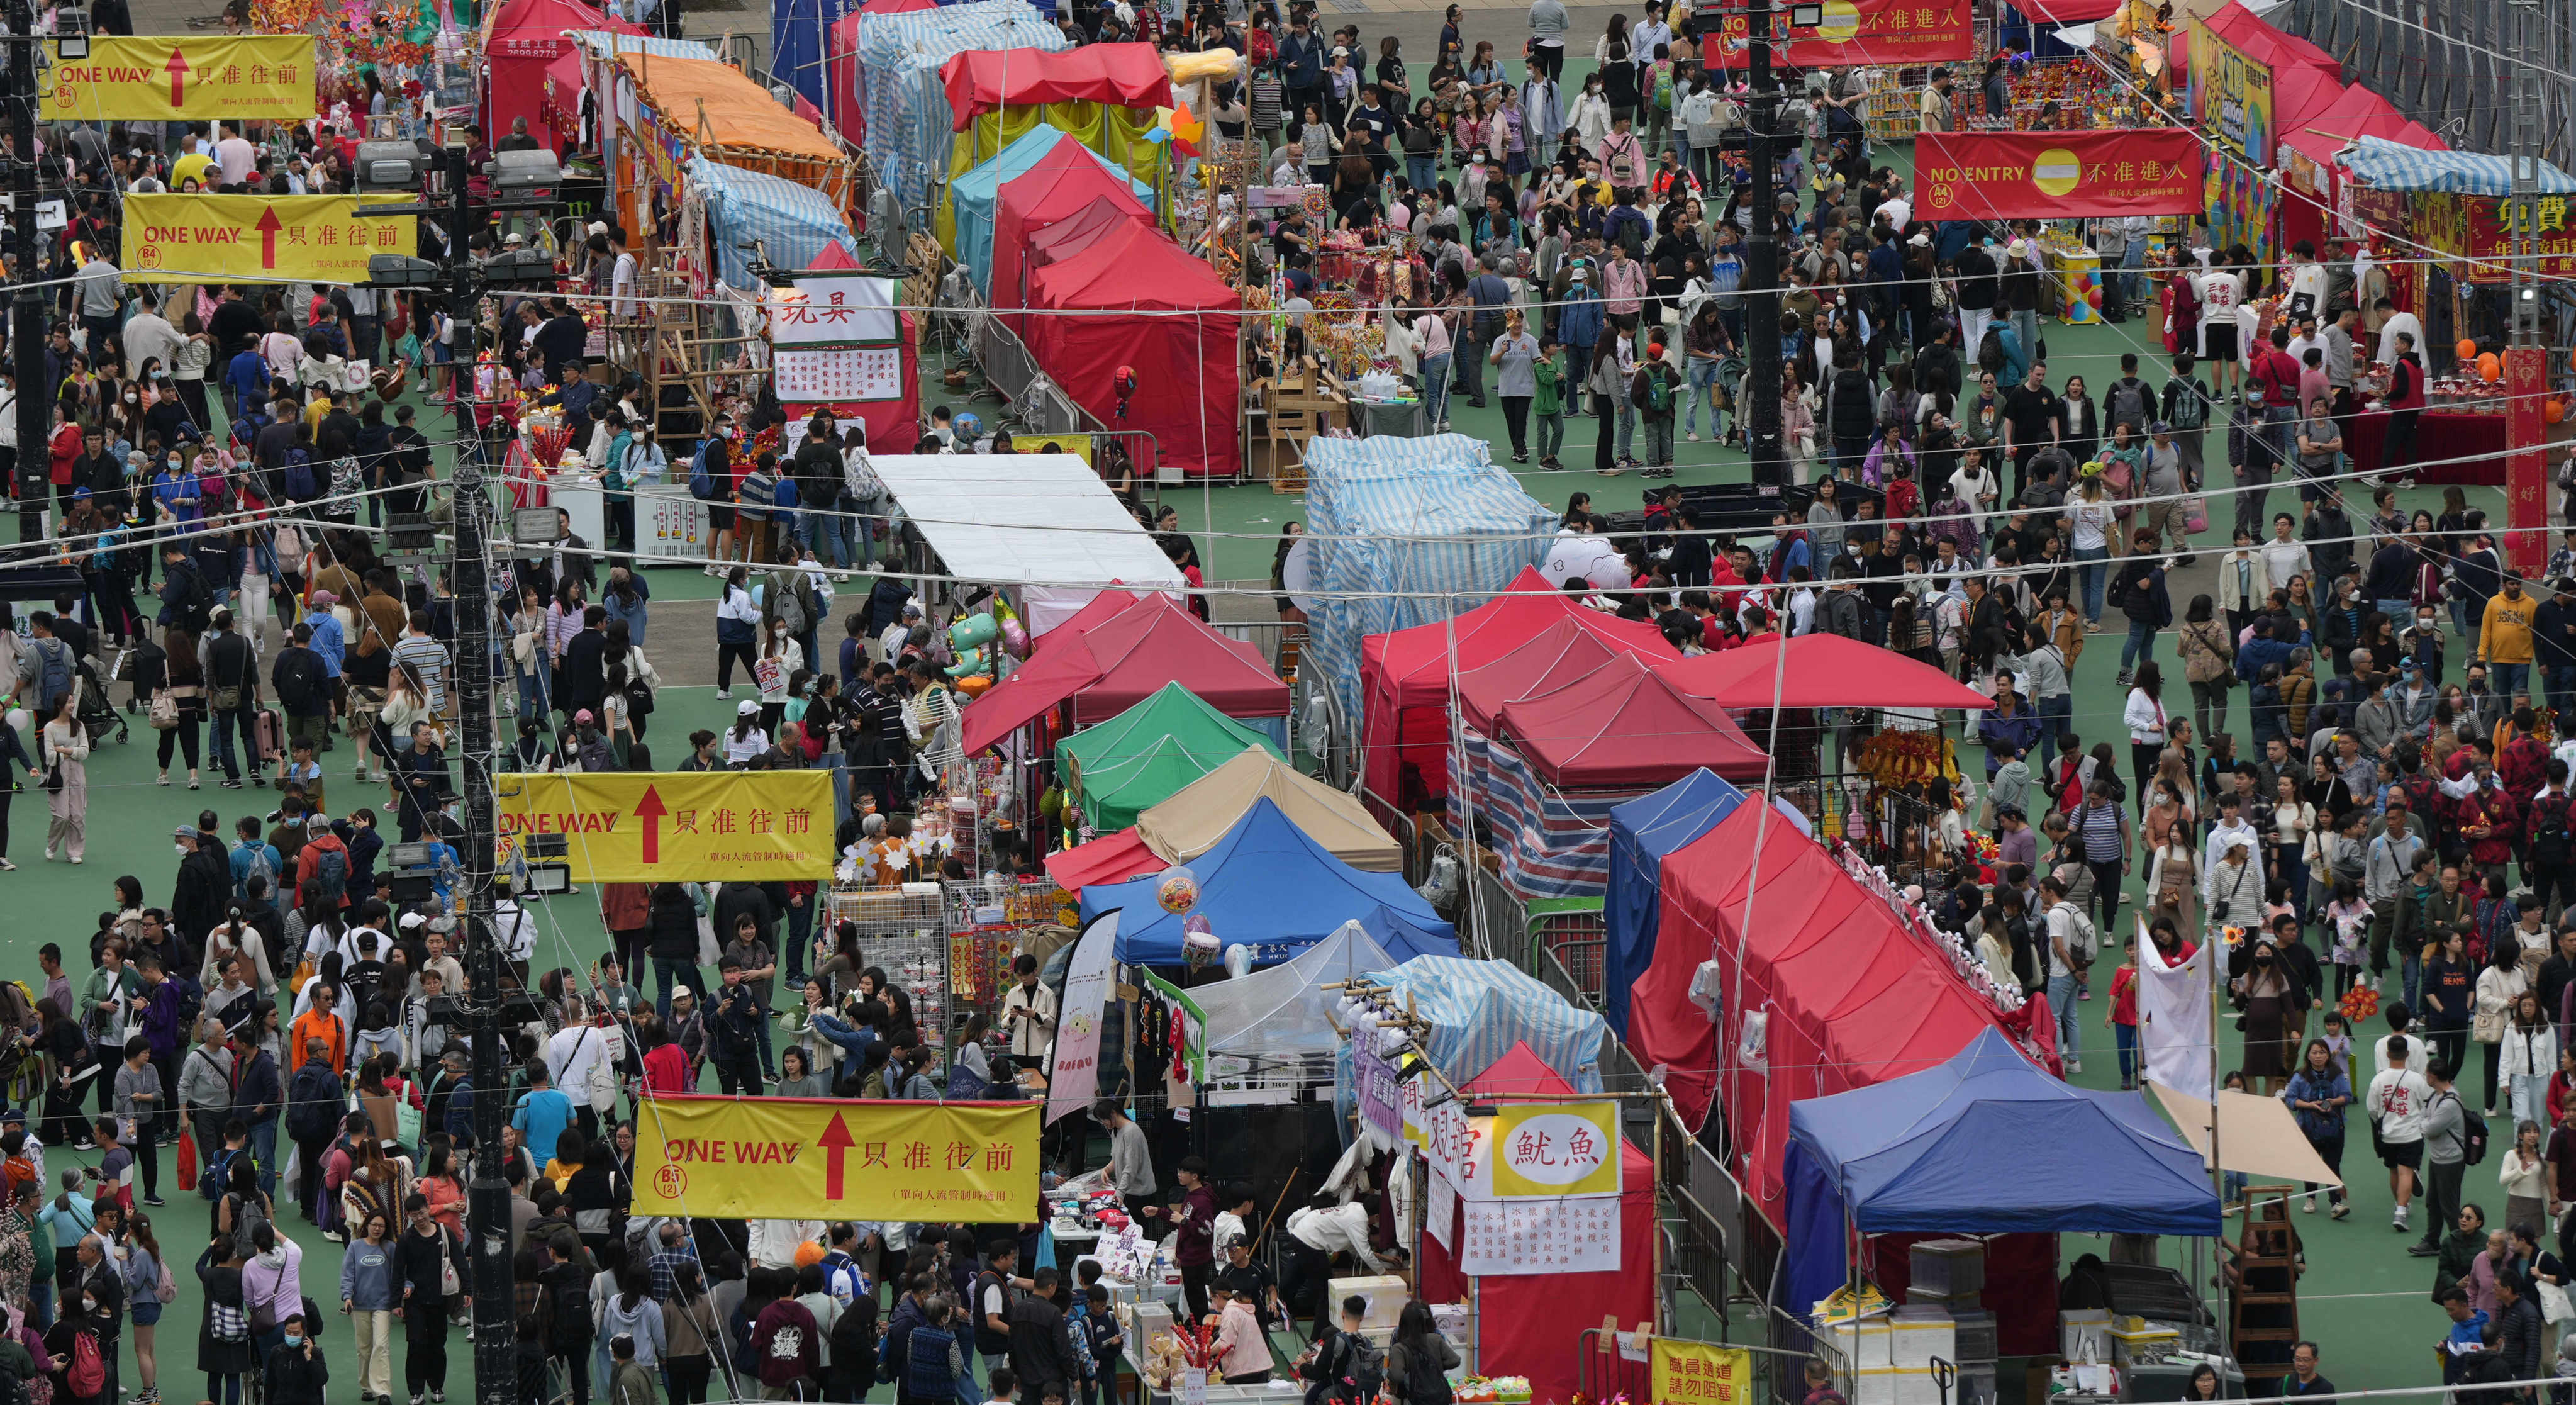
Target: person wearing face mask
296	1368
781	657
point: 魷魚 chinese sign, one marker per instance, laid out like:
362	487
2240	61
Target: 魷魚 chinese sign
819	1159
170	78
259	238
665	826
1700	1373
2058	175
1550	1150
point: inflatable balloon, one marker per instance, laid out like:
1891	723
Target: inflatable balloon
971	631
2093	297
971	661
1177	889
1015	638
974	684
2553	409
2490	367
2467	350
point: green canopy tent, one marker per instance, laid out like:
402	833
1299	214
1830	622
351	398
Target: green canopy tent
1139	758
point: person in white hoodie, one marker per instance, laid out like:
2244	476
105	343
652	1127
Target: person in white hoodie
2395	1105
2233	828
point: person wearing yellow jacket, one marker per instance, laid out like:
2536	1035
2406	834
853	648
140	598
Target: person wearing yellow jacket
2504	639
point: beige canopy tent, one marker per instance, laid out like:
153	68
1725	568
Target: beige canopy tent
2258	1136
1196	816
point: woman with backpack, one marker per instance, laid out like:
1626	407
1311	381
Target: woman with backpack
224	1350
1419	1358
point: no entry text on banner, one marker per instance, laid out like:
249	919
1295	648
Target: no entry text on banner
174	78
1700	1373
727	826
2057	175
821	1159
259	238
1857	34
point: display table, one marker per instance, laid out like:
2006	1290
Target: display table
2456	446
670	525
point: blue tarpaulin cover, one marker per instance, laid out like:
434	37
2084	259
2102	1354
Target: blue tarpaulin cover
1986	1143
1642	831
1267	885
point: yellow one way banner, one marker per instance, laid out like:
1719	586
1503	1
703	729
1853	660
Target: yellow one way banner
176	77
818	1159
649	827
259	238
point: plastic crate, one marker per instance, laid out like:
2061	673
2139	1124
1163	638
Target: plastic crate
1948	1268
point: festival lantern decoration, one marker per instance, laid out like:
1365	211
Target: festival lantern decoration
1177	889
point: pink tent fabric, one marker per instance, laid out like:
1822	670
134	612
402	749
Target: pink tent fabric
1625	726
522	39
1052	192
1107	659
841	64
1853	997
1561	654
1405	676
2358	113
2246	32
1121	75
1061	238
1112	858
1532	1324
1819	670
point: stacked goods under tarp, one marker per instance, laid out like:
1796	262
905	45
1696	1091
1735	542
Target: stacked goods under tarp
1417	529
671	110
752	213
841	64
910	126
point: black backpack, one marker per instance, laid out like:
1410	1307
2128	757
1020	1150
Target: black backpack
299	679
2473	1135
312	1104
1424	1383
1990	352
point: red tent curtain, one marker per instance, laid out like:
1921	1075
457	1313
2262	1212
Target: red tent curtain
1121	75
1180	344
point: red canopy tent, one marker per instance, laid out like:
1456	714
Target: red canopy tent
841	64
1532	1325
1054	192
1112	858
521	39
1405	675
1853	997
1563	653
1626	726
2065	12
1820	670
2248	34
1044	244
1181	345
1105	662
1121	75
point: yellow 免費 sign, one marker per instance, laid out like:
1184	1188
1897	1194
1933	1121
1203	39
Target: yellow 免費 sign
173	77
1700	1373
1550	1150
259	238
656	826
821	1159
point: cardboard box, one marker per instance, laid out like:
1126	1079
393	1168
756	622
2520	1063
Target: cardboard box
1918	1334
1386	1294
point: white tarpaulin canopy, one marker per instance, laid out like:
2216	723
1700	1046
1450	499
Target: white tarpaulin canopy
1013	519
1282	1012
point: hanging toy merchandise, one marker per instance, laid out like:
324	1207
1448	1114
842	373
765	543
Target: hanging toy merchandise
1177	889
1015	635
967	637
1199	946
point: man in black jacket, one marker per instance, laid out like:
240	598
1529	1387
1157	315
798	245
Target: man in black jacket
817	470
1041	1354
583	679
203	887
232	675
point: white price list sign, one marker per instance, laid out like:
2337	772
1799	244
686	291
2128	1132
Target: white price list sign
854	373
1540	1236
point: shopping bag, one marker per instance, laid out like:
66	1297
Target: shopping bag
2195	514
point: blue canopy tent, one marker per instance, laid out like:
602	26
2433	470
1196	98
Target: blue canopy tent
1642	831
1267	885
1406	937
1986	1143
796	44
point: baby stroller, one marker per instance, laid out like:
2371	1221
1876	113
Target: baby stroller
92	707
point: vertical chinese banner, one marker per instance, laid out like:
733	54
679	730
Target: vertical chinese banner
2526	474
1699	1373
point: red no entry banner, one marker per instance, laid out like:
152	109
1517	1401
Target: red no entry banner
2057	175
1857	34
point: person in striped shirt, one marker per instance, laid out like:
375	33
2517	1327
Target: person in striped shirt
426	658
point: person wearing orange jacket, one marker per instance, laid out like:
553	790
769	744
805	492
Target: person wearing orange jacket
322	1021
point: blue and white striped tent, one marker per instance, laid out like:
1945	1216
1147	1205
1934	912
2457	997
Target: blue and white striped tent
1434	515
2386	165
796	223
909	120
1551	844
1476	1011
600	41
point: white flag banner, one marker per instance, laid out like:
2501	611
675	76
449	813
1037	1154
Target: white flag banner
2176	1026
1073	1063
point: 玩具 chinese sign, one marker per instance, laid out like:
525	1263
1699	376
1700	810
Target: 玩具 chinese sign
1700	1373
1855	34
171	78
259	238
835	338
819	1159
2057	175
662	826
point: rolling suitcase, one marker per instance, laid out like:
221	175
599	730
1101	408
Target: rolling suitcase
268	737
